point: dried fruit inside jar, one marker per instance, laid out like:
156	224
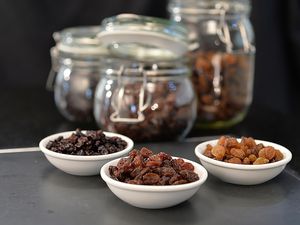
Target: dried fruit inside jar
145	91
223	84
74	93
75	68
168	113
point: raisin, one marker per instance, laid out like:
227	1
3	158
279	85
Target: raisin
235	160
137	161
133	153
167	171
218	152
164	180
151	178
231	143
259	147
222	140
207	153
134	182
248	141
252	158
247	151
179	161
145	152
267	152
174	179
136	171
187	166
209	147
164	156
153	163
260	160
166	163
180	182
239	153
140	175
278	155
188	175
246	160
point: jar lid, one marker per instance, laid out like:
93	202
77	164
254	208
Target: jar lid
212	7
143	38
80	40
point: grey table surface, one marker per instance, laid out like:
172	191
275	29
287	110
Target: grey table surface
32	191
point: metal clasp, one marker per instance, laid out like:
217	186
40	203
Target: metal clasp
53	71
223	29
118	99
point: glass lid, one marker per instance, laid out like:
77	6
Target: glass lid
196	7
143	38
79	40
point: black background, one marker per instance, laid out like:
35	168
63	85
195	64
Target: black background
27	27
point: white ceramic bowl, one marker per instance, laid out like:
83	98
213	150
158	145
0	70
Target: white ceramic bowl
243	174
153	197
81	165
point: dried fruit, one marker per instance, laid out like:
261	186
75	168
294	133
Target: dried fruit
218	152
221	140
252	158
246	160
89	143
228	149
144	167
267	152
151	178
260	160
231	142
239	153
249	142
233	72
278	155
235	160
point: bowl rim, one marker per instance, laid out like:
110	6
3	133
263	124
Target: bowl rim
201	171
199	149
44	141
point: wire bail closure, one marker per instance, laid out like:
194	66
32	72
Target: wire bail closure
118	99
223	31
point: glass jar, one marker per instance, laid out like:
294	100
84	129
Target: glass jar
75	71
145	91
222	57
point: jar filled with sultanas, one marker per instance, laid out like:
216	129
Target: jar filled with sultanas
75	71
145	91
221	54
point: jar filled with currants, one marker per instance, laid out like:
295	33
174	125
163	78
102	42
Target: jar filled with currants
221	53
145	91
75	71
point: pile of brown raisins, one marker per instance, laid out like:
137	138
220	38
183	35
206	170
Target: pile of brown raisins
89	143
144	167
228	149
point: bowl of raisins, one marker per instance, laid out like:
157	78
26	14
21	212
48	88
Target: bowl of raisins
243	161
83	153
153	181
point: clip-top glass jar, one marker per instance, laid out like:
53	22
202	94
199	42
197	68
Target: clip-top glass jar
145	91
75	71
222	53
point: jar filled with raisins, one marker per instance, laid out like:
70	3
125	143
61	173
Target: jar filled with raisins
145	91
222	54
75	71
